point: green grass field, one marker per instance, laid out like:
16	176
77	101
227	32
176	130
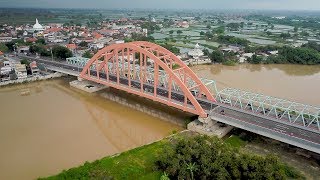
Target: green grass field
134	164
235	141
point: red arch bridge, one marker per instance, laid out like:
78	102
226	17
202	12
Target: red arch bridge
153	72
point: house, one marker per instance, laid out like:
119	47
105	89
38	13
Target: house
71	47
4	39
1	54
231	49
244	57
273	52
183	24
34	68
31	40
23	49
21	71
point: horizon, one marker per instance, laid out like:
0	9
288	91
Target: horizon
271	5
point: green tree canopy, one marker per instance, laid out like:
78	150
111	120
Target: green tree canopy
87	54
217	56
206	157
179	32
61	52
3	48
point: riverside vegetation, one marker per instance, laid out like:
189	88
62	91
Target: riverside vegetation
184	156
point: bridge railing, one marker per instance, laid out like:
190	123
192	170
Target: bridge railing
280	109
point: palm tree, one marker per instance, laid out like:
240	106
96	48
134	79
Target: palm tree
164	176
191	167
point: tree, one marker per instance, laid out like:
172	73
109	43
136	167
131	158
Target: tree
191	167
204	157
234	26
87	54
209	26
171	32
83	44
268	33
206	52
219	30
209	35
295	29
61	52
179	32
202	33
255	59
24	61
41	41
164	176
285	35
217	56
3	48
304	33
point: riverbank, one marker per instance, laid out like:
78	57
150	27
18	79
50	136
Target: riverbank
32	79
140	163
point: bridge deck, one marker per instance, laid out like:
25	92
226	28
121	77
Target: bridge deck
275	130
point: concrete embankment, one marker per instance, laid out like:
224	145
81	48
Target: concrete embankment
32	79
143	108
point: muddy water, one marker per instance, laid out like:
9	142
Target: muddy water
293	82
46	127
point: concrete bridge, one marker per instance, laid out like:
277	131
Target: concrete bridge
152	72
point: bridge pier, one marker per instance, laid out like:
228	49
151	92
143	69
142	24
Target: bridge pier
209	127
87	86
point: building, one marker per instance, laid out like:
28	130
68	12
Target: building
36	27
23	49
34	68
196	52
244	57
71	47
6	64
1	54
183	24
21	71
4	39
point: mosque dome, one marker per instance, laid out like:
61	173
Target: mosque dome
37	26
196	52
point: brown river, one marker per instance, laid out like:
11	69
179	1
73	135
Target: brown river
297	83
55	127
46	127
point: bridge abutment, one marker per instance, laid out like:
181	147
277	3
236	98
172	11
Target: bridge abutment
210	127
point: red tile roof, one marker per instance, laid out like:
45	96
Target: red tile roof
97	35
31	39
71	46
1	53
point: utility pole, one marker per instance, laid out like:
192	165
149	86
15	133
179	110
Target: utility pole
51	53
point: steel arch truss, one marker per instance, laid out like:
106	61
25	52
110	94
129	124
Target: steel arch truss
150	71
280	109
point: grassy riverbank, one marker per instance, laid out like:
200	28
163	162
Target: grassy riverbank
134	164
143	162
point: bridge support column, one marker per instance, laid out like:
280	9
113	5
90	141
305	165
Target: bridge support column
209	127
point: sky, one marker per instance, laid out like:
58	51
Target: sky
168	4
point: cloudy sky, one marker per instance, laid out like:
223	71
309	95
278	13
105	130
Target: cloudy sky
164	4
